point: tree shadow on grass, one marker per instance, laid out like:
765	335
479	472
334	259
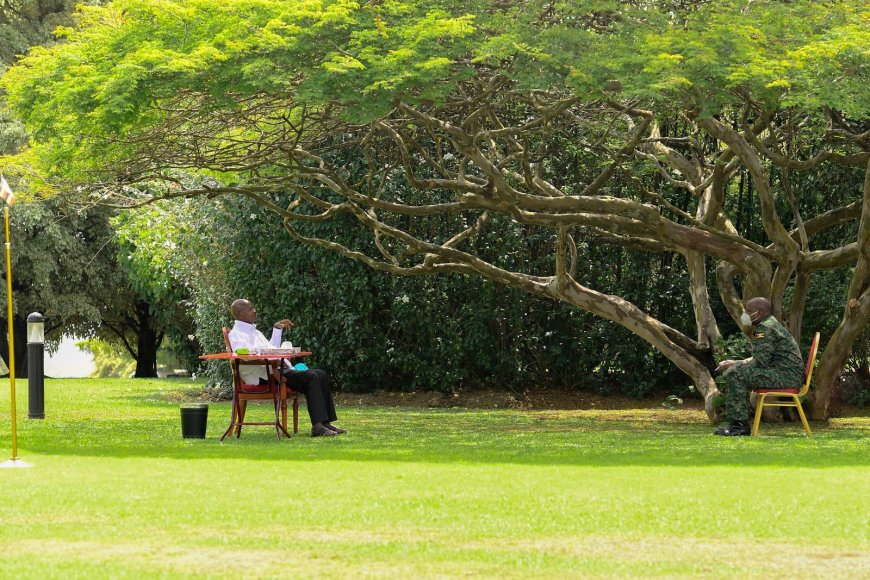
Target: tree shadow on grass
151	428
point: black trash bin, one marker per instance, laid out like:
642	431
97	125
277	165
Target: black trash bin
193	420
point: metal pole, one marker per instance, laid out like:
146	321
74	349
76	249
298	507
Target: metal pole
9	198
11	336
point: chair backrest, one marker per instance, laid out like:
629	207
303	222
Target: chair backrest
227	339
234	365
811	359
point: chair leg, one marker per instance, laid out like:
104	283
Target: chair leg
282	396
296	414
759	405
800	411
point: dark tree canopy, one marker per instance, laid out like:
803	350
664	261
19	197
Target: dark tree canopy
62	269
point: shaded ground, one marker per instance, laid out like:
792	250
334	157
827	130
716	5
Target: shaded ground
550	399
547	399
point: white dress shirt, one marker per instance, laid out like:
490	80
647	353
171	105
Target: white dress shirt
246	335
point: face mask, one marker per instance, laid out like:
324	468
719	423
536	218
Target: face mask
745	319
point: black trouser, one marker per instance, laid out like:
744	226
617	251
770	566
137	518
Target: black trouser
314	384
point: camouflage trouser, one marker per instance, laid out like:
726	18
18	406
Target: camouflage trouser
738	381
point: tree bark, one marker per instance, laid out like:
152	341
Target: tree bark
147	343
856	315
798	305
19	327
683	353
705	321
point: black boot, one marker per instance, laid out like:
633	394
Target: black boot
734	429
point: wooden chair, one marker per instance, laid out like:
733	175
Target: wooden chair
275	390
787	397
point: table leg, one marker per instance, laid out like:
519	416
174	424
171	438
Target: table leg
232	417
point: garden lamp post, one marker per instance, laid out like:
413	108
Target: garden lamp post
35	366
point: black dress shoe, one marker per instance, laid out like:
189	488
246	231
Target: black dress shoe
322	431
734	429
336	430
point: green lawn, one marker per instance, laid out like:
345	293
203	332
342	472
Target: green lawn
116	492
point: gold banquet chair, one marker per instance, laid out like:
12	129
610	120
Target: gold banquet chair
787	397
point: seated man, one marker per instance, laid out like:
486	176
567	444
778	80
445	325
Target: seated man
314	384
775	364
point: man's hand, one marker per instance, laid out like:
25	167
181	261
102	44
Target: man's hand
726	363
284	324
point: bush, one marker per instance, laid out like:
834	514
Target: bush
372	331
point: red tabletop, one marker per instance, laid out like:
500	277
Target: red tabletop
234	356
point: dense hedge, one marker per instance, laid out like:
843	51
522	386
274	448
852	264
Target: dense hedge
376	331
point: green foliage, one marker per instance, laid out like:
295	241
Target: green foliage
126	57
109	359
735	347
132	54
796	54
127	69
373	331
65	265
60	266
181	246
25	23
147	268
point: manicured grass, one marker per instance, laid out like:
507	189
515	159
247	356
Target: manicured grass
116	492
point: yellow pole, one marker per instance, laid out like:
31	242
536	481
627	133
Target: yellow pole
11	336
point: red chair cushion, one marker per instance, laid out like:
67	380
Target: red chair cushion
255	388
793	391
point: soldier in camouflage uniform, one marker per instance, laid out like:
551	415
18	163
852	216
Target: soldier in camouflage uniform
776	363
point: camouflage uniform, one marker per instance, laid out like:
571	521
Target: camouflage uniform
776	363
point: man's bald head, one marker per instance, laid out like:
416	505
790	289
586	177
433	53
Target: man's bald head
243	310
758	308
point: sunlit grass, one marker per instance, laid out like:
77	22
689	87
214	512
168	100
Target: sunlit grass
117	492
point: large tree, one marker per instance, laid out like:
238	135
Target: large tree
116	304
482	106
154	308
64	267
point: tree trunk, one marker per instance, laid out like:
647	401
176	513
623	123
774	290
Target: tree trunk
798	305
836	354
855	317
681	351
147	344
20	330
705	321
